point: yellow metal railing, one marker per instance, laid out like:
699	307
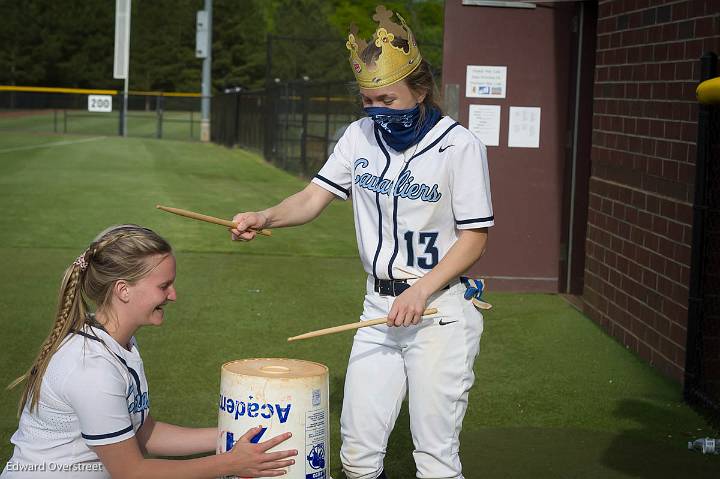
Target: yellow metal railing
42	89
88	91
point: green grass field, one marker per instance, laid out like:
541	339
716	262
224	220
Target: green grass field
554	396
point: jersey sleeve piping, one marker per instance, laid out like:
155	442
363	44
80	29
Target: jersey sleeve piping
117	436
472	223
331	186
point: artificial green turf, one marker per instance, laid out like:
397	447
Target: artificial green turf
554	396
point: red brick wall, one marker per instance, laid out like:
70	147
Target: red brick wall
641	186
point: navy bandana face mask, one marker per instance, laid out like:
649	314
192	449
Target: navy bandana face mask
400	128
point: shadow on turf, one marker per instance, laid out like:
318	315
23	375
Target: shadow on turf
582	454
638	454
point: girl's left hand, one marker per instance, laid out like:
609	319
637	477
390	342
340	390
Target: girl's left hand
407	308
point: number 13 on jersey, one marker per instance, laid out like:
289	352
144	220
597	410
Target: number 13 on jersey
422	241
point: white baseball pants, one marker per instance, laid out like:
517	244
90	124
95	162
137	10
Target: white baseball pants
433	362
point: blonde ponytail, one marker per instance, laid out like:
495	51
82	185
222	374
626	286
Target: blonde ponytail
71	311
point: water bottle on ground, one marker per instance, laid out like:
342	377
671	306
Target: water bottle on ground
706	445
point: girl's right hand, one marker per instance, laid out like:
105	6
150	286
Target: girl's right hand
253	460
247	224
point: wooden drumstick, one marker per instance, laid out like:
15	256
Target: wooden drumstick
209	219
347	327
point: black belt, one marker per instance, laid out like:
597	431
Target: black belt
394	287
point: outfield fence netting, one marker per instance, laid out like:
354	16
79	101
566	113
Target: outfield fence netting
60	110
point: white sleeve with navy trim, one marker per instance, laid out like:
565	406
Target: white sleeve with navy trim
97	391
336	174
470	186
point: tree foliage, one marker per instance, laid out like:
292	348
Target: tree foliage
67	43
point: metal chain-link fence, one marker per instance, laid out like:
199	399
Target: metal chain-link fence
150	114
294	125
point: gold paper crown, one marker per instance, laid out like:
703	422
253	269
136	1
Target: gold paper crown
394	62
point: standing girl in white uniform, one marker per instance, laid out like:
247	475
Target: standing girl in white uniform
85	409
421	202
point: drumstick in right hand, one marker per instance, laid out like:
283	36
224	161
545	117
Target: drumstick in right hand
207	219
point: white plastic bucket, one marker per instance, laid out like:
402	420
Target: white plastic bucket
282	395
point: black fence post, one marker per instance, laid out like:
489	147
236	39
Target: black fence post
64	121
269	126
269	130
286	108
54	120
326	153
159	113
692	389
121	114
304	98
236	129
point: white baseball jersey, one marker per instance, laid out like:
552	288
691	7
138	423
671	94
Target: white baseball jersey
93	393
409	205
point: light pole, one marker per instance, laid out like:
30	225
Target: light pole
203	49
121	65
